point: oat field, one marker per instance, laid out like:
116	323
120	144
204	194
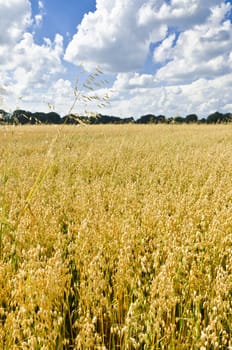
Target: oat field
116	237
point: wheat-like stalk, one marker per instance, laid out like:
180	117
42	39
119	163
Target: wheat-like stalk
115	237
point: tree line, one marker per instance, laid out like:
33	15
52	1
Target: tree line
20	116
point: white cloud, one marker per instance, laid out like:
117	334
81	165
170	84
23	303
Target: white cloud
202	51
33	67
112	37
178	13
40	5
128	81
60	95
117	36
38	19
164	50
192	59
15	18
201	96
26	68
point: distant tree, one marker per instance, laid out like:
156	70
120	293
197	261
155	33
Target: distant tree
191	118
69	119
161	119
147	119
25	117
216	117
20	116
106	119
53	118
179	119
228	117
40	117
109	119
3	115
170	120
129	120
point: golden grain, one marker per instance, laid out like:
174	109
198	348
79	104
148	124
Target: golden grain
116	237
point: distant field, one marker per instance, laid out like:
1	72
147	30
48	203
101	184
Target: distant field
116	237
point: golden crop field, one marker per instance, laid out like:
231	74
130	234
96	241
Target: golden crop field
116	237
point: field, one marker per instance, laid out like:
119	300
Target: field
116	237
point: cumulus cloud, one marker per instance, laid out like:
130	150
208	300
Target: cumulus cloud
39	16
38	19
178	13
128	81
201	96
26	68
112	37
15	18
202	51
32	65
118	34
59	94
164	50
40	5
191	69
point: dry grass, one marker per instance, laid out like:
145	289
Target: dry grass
116	237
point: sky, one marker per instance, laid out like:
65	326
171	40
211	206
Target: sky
169	57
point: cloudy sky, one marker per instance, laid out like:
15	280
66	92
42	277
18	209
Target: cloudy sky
171	57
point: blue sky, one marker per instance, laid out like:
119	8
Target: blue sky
170	57
60	17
